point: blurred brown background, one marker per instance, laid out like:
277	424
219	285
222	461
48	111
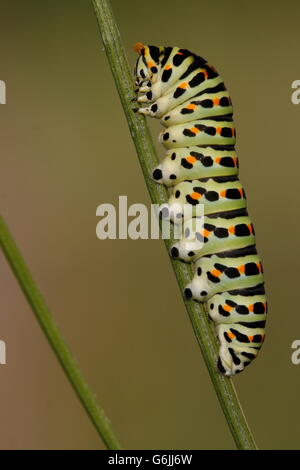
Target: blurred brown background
65	149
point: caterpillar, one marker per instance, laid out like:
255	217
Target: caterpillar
201	167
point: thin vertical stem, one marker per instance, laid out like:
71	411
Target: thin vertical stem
53	335
148	159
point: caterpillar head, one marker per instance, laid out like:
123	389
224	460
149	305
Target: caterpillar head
147	65
141	71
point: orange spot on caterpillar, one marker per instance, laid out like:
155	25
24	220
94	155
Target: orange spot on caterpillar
250	338
233	132
206	233
191	159
241	192
223	193
227	308
195	196
180	53
195	130
241	268
138	47
150	64
183	85
231	229
191	106
231	335
217	160
218	130
216	272
258	266
216	101
168	67
250	308
250	228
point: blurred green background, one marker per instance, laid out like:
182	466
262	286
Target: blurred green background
65	149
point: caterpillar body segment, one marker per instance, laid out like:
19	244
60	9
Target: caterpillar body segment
206	236
208	105
200	167
204	132
216	194
213	275
187	163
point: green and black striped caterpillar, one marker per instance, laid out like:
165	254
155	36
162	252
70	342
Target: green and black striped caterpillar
190	99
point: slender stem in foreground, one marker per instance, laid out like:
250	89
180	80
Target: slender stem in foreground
54	337
148	159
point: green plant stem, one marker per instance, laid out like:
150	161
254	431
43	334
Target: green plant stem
54	337
148	159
